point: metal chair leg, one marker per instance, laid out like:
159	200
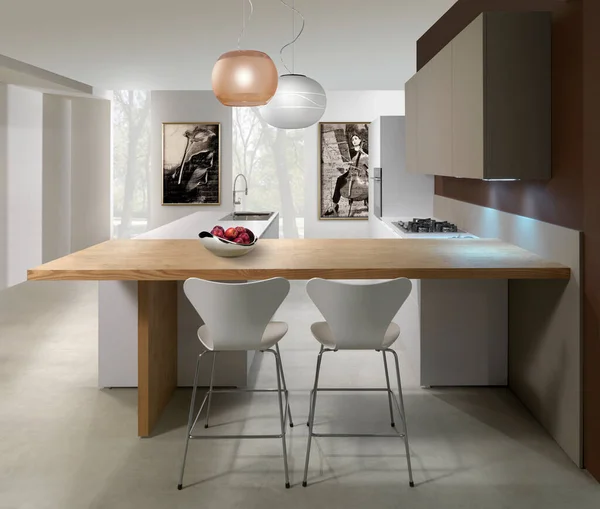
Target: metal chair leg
190	420
310	398
387	380
289	410
282	417
210	388
403	417
311	416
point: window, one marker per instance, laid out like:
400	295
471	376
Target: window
131	162
272	160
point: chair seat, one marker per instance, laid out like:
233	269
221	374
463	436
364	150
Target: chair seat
273	333
324	335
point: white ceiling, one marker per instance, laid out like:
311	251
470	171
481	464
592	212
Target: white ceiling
151	44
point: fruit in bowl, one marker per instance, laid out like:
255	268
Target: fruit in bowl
230	242
218	231
231	233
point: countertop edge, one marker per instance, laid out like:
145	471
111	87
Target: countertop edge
550	273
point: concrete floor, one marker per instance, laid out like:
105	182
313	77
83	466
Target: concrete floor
65	444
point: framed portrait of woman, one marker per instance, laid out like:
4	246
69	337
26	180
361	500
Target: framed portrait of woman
344	170
191	163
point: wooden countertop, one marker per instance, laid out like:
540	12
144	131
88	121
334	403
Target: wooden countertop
152	260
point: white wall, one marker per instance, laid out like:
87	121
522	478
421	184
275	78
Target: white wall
56	178
3	186
90	172
342	106
187	106
24	149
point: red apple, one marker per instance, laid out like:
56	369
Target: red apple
245	238
238	240
231	233
240	229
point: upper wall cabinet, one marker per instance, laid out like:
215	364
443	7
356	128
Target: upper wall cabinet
481	108
434	110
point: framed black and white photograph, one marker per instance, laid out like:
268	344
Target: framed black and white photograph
343	170
191	163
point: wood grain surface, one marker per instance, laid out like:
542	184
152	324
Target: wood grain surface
591	157
155	260
157	351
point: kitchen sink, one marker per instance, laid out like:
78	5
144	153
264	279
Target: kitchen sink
247	216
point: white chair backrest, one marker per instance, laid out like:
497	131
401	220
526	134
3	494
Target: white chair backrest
358	314
236	314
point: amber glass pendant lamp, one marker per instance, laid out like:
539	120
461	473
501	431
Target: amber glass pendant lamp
244	77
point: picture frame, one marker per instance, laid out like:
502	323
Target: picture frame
191	163
343	183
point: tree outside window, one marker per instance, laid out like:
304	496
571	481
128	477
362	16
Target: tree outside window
273	162
131	162
271	159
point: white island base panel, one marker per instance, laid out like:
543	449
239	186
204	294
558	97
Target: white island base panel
118	319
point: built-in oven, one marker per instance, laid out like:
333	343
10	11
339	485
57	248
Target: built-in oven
377	192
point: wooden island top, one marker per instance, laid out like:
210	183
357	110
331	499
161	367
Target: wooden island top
169	260
157	265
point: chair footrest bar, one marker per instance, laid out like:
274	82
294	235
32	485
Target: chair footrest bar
232	437
364	435
352	389
221	391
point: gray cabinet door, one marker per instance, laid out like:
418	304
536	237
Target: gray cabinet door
467	102
434	117
411	91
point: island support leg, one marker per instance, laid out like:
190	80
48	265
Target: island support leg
157	350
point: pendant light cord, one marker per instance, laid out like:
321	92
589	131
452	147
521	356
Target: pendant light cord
244	20
295	11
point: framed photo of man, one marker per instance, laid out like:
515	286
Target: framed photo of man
343	170
191	163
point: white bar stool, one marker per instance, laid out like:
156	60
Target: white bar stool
254	304
358	317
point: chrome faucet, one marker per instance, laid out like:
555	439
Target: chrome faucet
236	200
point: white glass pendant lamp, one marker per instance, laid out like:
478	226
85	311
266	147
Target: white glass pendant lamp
244	77
299	101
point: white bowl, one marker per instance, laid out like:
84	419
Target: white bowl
225	248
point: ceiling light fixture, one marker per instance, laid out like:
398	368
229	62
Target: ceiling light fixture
300	101
244	77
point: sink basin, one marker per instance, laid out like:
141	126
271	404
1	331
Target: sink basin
247	216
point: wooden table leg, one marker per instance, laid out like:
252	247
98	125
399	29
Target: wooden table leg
157	350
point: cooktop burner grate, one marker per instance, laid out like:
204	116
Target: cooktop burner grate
421	225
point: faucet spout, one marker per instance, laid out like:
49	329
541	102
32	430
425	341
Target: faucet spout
236	200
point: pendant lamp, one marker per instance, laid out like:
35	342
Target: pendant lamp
299	101
244	77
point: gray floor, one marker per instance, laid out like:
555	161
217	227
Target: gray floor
65	444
